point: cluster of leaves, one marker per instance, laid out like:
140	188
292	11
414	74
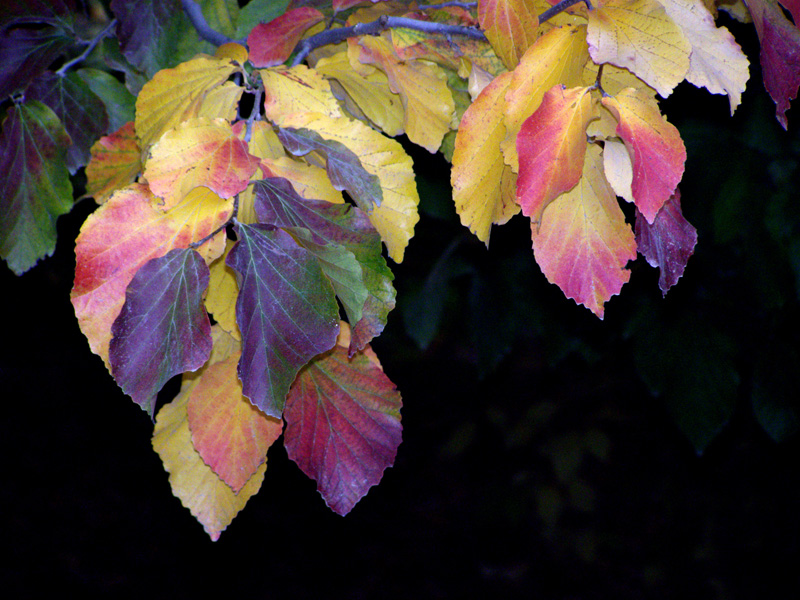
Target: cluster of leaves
222	171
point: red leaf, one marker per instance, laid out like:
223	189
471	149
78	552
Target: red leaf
668	242
272	43
343	425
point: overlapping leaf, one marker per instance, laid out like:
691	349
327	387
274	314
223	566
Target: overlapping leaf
583	243
297	89
115	163
162	329
343	425
222	293
35	188
121	236
26	53
118	101
310	181
654	145
286	312
510	26
667	242
272	43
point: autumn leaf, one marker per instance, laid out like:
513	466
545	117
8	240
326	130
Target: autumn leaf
264	142
27	52
222	293
583	243
115	163
384	158
121	236
296	89
551	145
667	242
199	152
286	312
640	36
483	185
618	168
343	425
655	147
231	435
510	26
310	181
163	329
272	43
35	189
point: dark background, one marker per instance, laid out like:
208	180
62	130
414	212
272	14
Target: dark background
546	453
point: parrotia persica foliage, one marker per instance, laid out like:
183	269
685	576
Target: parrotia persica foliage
248	183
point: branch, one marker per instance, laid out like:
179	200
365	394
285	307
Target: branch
91	46
334	36
204	30
561	7
464	5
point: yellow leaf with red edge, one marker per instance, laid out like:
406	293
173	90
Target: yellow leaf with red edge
122	235
655	147
294	90
583	244
383	157
483	185
551	145
174	95
558	57
370	92
717	61
640	36
210	500
116	162
199	152
510	26
223	290
427	100
231	435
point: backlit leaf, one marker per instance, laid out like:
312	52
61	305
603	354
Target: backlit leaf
271	43
551	145
667	242
115	163
343	425
286	312
583	243
121	236
510	26
654	145
483	185
231	435
199	152
163	329
296	89
35	188
640	36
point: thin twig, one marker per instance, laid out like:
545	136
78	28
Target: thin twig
464	5
204	30
561	7
91	46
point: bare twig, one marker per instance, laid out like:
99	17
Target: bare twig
91	46
464	5
204	30
561	7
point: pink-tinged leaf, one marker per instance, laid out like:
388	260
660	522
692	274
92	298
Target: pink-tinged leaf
163	328
584	243
668	242
231	435
343	425
340	5
34	188
278	204
780	54
116	162
551	145
793	6
272	43
655	147
286	312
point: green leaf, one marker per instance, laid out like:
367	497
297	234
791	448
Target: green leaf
119	102
35	188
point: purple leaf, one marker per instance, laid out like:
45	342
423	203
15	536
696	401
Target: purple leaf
286	312
343	425
82	112
668	242
26	53
277	203
163	328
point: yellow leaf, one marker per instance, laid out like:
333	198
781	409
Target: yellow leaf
295	90
618	168
264	143
385	158
221	102
174	95
614	79
223	290
717	63
371	93
115	162
640	36
232	51
510	26
558	57
483	185
310	181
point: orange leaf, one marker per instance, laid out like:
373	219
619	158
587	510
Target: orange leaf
115	162
231	435
272	43
655	147
199	152
583	243
510	26
551	145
